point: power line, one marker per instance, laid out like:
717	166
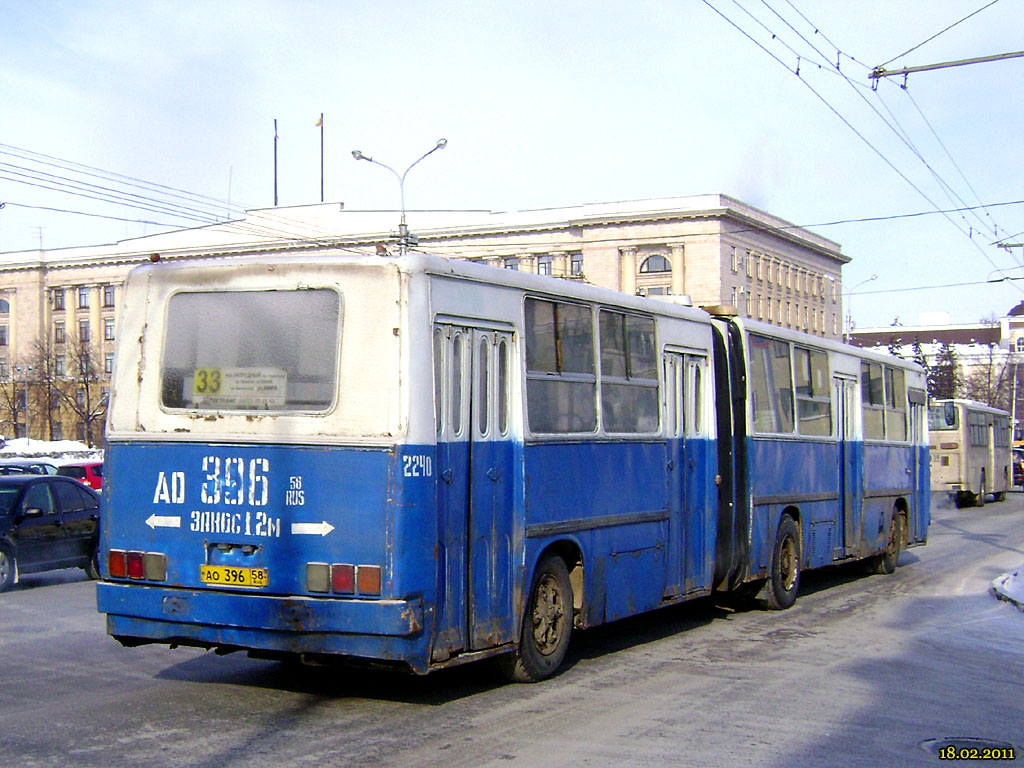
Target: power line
965	18
849	125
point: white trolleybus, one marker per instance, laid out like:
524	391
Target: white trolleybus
970	451
420	462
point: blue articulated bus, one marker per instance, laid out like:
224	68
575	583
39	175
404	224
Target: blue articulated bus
421	462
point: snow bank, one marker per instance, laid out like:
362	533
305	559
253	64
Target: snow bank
56	449
1010	587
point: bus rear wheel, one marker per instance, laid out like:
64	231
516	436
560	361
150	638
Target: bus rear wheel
885	563
547	625
779	591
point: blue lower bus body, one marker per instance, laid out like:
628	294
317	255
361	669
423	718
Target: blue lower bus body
457	530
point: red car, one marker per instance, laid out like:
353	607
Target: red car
88	472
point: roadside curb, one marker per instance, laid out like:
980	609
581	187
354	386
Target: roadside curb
1010	587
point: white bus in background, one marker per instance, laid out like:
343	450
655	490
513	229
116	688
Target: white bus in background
970	451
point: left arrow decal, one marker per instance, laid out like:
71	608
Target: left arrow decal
163	521
315	529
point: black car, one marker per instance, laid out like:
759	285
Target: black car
47	522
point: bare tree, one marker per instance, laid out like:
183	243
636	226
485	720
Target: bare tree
80	391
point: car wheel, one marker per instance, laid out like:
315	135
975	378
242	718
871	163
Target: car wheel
8	568
92	570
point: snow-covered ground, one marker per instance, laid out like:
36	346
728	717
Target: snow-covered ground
1010	587
57	450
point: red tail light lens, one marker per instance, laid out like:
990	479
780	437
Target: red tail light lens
116	564
343	578
135	567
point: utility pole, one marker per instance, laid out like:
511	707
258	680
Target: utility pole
879	72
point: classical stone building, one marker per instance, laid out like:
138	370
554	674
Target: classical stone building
58	308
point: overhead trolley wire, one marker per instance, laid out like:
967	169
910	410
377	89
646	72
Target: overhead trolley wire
849	125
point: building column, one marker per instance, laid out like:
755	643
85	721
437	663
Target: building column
627	270
527	262
678	260
559	263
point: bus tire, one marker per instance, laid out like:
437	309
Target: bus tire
1001	496
547	625
979	500
8	567
779	591
885	563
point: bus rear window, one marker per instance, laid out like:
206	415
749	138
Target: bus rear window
942	417
251	351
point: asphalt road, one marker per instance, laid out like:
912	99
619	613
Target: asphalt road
861	672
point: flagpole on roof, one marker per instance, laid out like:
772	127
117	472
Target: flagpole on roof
275	162
320	123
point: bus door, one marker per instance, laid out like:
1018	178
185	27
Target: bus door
844	391
475	471
686	471
918	413
674	368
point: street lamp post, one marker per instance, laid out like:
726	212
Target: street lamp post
849	306
404	238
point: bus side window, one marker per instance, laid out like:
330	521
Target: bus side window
872	402
503	401
771	385
439	345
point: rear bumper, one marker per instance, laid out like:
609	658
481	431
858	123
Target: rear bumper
375	629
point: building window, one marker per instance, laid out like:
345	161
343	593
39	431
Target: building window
5	307
108	329
80	432
3	335
512	263
108	295
83	298
104	394
576	264
80	397
58	365
58	431
4	371
544	265
58	333
108	363
655	263
735	260
83	330
58	298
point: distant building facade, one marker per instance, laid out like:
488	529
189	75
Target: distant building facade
58	308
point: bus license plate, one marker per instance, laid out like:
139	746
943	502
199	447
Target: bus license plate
225	576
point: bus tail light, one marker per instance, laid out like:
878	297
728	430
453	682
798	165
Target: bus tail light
318	577
135	569
154	566
151	566
116	564
368	579
343	578
949	446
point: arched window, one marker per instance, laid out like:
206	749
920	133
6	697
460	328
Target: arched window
1020	344
655	263
5	307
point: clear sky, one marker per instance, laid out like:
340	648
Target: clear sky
544	103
